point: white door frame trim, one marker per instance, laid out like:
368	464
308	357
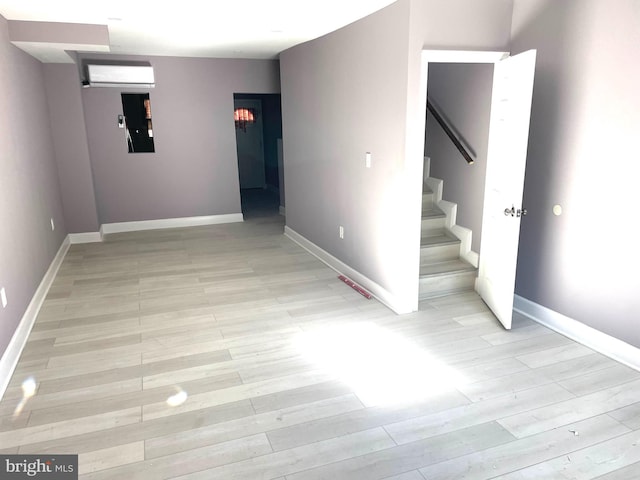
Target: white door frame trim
463	56
454	56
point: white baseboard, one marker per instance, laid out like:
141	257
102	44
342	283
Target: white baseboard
379	292
282	211
86	237
12	354
93	237
588	336
170	223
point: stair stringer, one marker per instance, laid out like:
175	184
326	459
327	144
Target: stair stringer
464	234
450	209
426	168
435	185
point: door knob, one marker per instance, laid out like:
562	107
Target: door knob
521	212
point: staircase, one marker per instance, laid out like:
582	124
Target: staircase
442	270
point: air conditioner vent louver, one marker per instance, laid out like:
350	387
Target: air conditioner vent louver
139	76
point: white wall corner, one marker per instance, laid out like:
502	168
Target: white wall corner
399	304
10	358
85	237
590	337
170	223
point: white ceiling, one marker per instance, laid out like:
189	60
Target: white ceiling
200	28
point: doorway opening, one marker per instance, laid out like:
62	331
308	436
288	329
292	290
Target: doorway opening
461	94
510	110
258	128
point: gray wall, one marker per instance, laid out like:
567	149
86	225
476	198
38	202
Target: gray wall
344	95
463	24
194	169
358	90
583	155
59	32
29	192
463	94
62	86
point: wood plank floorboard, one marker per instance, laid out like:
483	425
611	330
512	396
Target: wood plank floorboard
229	352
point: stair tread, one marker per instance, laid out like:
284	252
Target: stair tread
443	293
432	212
446	267
437	237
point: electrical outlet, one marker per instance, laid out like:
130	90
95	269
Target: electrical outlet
3	297
341	231
53	225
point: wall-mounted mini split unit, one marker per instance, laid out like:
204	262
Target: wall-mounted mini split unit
140	76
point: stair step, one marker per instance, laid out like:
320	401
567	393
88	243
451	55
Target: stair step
447	283
432	212
437	237
439	253
428	197
438	245
430	224
442	272
445	268
444	293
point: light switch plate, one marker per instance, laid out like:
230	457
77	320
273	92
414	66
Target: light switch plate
3	297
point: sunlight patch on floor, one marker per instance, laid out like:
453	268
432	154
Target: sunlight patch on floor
382	367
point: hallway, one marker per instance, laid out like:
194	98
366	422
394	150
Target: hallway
259	202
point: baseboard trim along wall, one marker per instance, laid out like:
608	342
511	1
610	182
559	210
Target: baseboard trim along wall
170	223
12	354
162	223
86	237
588	336
379	292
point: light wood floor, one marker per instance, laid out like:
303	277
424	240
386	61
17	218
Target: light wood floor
227	352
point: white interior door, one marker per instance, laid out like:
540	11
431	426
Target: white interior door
506	161
249	141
